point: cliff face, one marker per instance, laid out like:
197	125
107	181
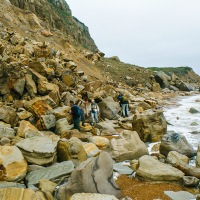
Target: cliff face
56	14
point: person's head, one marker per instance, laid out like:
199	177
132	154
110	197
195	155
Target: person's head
71	103
92	100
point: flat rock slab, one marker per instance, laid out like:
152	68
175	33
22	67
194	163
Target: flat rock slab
89	196
5	184
17	193
50	173
121	168
181	195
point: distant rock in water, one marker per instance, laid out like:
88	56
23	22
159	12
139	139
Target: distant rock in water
193	110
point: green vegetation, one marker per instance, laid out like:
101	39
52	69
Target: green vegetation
175	70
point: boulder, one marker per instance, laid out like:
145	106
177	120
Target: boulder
40	105
175	142
71	149
17	193
193	110
106	128
6	132
47	186
127	147
184	86
109	108
12	163
156	87
100	142
50	173
26	127
9	115
151	169
19	85
62	126
174	156
91	150
30	85
46	122
94	175
150	125
41	68
24	115
163	79
39	150
61	112
190	181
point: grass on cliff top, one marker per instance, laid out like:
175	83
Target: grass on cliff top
175	70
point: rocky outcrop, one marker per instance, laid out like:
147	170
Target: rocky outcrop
57	14
91	176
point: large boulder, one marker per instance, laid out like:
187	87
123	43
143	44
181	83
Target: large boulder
150	125
39	150
109	108
92	176
71	149
50	173
184	86
151	169
12	164
175	142
106	128
127	147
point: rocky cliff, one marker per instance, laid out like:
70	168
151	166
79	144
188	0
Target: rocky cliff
56	14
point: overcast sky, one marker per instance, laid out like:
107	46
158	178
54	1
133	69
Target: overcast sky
148	33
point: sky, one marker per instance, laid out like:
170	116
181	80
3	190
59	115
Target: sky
148	33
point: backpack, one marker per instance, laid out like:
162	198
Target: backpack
125	98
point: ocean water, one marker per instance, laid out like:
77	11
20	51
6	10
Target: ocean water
182	121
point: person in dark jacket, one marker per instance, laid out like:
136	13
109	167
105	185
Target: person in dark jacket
76	115
124	104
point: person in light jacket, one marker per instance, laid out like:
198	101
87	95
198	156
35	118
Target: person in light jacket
94	112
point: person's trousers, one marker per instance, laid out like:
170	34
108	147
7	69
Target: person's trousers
124	110
94	116
77	123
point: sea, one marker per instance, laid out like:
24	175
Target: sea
181	121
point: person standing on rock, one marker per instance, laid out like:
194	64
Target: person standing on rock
76	115
94	112
124	104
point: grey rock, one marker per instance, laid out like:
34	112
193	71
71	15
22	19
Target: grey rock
122	169
50	173
4	184
7	132
175	142
190	181
181	195
94	175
